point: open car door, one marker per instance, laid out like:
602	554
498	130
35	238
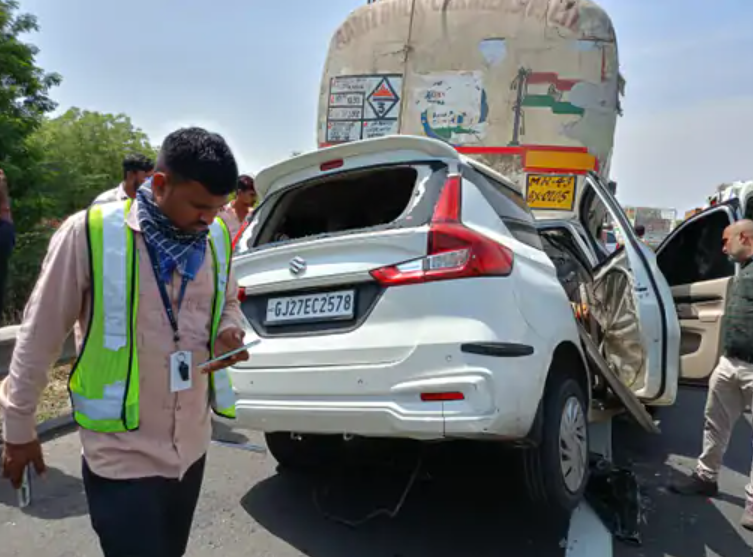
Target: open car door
638	330
700	276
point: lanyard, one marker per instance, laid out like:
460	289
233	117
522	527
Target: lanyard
163	292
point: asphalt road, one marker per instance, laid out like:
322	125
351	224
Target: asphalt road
455	508
679	526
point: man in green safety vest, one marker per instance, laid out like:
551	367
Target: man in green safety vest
147	286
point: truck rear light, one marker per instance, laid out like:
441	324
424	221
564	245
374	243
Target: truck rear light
331	165
442	397
454	251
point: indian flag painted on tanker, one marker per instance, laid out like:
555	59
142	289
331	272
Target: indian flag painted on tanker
547	90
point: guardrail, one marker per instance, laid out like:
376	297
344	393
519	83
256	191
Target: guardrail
8	343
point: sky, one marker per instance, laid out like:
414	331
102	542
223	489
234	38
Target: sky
251	70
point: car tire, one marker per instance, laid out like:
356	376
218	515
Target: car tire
557	470
303	452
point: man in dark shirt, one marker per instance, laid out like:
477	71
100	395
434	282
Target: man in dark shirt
7	236
731	383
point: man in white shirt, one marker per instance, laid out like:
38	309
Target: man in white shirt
236	213
136	169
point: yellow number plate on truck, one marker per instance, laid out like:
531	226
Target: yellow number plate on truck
550	191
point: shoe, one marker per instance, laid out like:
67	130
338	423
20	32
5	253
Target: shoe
747	519
695	485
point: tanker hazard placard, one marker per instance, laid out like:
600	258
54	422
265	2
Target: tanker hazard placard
549	191
363	107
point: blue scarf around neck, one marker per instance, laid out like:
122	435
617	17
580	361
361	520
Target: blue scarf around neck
176	250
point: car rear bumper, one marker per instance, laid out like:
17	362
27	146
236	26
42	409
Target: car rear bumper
500	398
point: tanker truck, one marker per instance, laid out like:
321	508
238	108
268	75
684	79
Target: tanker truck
531	88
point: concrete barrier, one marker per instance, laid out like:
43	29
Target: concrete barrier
8	343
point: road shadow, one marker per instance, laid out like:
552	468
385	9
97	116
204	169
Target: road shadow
676	525
225	432
454	508
55	497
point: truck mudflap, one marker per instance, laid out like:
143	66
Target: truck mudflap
631	403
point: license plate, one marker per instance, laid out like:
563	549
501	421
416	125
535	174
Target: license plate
311	307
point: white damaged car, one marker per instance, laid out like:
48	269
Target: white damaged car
402	290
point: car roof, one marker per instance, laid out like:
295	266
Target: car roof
368	152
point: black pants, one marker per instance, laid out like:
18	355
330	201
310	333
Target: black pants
145	517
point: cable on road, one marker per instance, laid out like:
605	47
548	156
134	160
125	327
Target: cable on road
378	512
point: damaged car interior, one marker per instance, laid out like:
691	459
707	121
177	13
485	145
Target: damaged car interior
599	285
357	200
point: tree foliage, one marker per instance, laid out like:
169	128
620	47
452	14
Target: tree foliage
82	155
24	102
24	87
55	166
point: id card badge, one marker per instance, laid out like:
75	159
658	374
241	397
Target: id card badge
180	371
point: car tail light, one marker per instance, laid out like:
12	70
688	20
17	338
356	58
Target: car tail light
331	165
441	397
241	294
454	251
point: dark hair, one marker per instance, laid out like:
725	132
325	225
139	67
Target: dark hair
136	162
640	230
194	154
246	183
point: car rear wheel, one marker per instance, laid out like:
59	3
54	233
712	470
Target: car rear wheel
557	470
303	452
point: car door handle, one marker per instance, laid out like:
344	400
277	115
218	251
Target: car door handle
708	318
686	311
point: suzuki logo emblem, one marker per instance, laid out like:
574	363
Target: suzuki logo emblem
297	265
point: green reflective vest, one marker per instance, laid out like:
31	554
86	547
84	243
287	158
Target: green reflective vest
104	384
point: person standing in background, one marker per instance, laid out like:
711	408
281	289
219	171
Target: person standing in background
7	236
235	213
149	287
640	231
731	383
136	169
